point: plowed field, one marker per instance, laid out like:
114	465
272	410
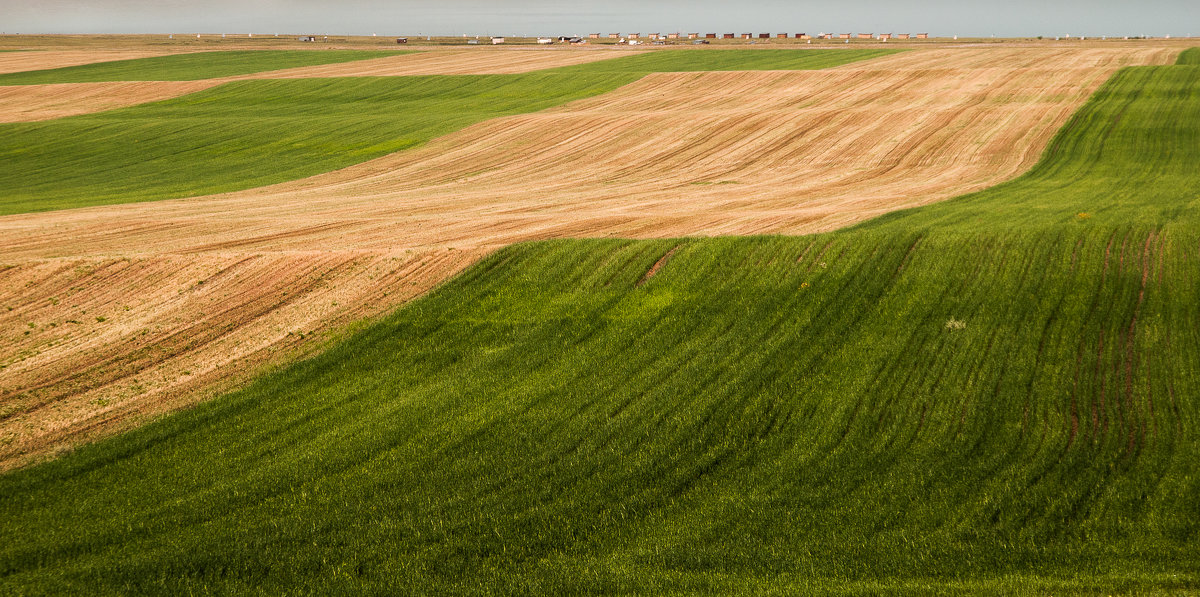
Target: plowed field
673	154
15	62
95	340
28	103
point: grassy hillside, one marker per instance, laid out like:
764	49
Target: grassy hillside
994	394
252	133
725	60
1189	57
189	67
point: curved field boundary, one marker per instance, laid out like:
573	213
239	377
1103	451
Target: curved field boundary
671	155
145	335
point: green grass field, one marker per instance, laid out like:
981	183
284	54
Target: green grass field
996	394
1190	56
252	133
190	67
725	60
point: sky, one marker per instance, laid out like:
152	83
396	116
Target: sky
944	18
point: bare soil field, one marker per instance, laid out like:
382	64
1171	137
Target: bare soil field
28	103
97	343
15	62
114	313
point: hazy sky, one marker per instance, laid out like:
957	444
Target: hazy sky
533	17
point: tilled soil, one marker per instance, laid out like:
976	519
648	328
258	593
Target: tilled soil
28	103
15	62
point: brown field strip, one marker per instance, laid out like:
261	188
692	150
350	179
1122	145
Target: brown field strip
95	343
15	62
200	290
28	103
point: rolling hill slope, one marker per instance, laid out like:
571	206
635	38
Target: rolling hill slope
993	394
110	313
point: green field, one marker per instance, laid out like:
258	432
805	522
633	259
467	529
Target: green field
996	394
190	67
725	60
1190	57
252	133
247	134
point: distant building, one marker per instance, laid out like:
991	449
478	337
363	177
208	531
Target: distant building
922	36
497	41
782	36
885	36
545	40
844	35
672	36
593	36
764	36
902	36
302	38
803	36
710	36
747	35
614	36
866	36
729	36
693	35
635	35
401	40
